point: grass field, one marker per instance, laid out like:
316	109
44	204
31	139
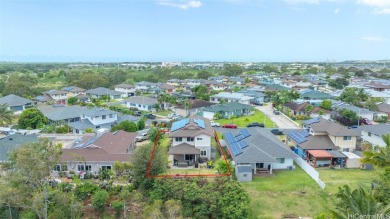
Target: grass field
245	120
278	195
163	112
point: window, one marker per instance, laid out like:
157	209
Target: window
179	139
203	153
96	116
111	116
139	105
190	139
80	167
245	175
104	117
189	157
369	134
105	167
88	167
280	160
199	139
57	167
345	149
347	138
64	167
97	127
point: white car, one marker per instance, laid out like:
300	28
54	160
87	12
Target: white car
215	124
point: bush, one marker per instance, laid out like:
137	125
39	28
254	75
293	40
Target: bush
118	206
99	200
85	190
65	187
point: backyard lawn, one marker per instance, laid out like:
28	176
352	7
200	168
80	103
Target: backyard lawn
163	113
245	120
281	194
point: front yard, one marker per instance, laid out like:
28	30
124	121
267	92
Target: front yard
281	194
245	120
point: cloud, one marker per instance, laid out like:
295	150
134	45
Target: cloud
336	11
302	1
181	4
374	38
380	6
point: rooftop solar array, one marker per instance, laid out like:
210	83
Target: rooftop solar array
298	136
179	124
311	121
237	143
200	123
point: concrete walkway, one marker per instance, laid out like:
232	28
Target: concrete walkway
280	120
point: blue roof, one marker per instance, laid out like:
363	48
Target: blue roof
68	88
200	123
298	136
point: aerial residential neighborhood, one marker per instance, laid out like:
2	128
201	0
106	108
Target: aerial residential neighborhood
195	109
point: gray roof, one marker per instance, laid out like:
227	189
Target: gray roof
318	142
7	145
124	86
57	113
127	117
244	168
232	96
141	100
332	128
384	107
379	129
227	107
97	112
355	109
183	148
263	147
337	154
101	91
73	89
84	124
14	100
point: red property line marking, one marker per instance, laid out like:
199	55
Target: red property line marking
185	175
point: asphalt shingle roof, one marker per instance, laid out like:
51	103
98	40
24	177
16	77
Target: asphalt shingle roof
14	100
101	91
227	107
141	100
183	148
61	113
379	129
7	145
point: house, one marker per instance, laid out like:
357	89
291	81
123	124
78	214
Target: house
258	148
147	87
16	103
384	95
194	107
314	95
141	102
384	108
56	96
128	89
11	142
60	113
73	91
219	86
227	110
361	112
274	87
258	97
376	86
373	133
102	92
341	136
299	109
231	97
167	88
83	98
191	141
95	119
94	152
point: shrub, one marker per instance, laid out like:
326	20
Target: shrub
118	206
84	190
99	200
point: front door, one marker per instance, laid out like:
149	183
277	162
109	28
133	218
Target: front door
189	157
260	165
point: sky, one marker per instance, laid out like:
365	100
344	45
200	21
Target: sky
194	30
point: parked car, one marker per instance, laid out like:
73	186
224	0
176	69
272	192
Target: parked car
365	121
255	124
276	132
258	104
171	115
177	117
150	116
138	113
141	137
353	127
214	124
276	112
230	126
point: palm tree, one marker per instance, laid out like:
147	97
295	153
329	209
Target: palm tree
5	115
358	201
380	157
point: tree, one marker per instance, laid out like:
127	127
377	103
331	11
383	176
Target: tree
309	108
31	118
349	114
338	83
217	116
221	166
90	80
99	200
357	201
72	100
31	163
204	74
156	106
173	208
201	92
153	211
140	161
126	125
141	124
326	104
5	115
232	70
379	157
89	130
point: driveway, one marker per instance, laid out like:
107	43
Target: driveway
280	120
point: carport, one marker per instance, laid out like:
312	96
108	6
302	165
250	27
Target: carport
319	158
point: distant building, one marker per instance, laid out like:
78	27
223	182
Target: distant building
16	103
128	89
73	91
373	133
102	92
141	102
11	142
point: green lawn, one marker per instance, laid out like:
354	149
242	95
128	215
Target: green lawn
163	113
245	120
275	196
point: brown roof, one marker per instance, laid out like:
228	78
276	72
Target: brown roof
318	142
124	86
319	153
333	128
384	107
377	85
117	142
296	106
167	86
192	129
194	104
184	148
92	154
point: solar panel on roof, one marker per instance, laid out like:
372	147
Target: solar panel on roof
243	144
230	138
200	123
245	133
179	124
239	137
299	137
235	149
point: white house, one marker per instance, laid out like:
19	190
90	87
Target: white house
58	96
191	141
94	119
373	133
141	102
127	89
101	92
231	97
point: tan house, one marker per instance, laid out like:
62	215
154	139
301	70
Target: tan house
73	91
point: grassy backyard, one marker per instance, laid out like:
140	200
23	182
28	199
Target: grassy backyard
278	195
245	120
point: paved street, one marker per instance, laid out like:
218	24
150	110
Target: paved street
280	120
